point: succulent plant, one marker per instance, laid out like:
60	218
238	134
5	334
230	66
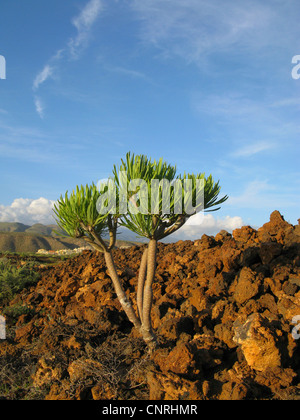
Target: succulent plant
148	198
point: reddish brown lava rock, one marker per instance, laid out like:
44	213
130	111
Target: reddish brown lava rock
258	343
223	310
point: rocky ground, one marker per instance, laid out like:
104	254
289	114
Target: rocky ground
223	309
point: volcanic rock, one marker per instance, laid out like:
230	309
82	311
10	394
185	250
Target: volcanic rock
223	310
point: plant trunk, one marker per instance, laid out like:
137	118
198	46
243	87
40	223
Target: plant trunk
145	293
147	332
141	284
126	304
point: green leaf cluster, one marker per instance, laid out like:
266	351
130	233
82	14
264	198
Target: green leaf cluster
202	195
77	213
136	204
135	197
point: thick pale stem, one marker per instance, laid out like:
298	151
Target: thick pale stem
147	332
112	223
126	304
144	297
141	283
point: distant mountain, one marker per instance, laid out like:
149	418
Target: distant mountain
37	228
13	227
30	242
55	231
18	237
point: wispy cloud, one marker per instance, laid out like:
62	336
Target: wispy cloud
129	72
29	144
230	105
42	76
83	23
253	149
248	118
287	102
261	194
133	74
194	28
39	106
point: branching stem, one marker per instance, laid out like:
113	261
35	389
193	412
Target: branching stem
147	332
125	302
141	283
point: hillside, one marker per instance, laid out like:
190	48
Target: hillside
223	311
13	227
37	228
21	242
26	242
54	230
18	237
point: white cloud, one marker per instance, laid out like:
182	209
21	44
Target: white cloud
83	23
28	211
130	72
231	105
39	106
254	195
207	224
287	102
254	125
42	76
88	15
260	194
253	149
193	28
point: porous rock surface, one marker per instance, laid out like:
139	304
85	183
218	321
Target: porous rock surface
223	309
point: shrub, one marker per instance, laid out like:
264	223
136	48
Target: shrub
128	200
13	279
15	311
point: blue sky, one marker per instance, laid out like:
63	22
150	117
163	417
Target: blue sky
207	85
